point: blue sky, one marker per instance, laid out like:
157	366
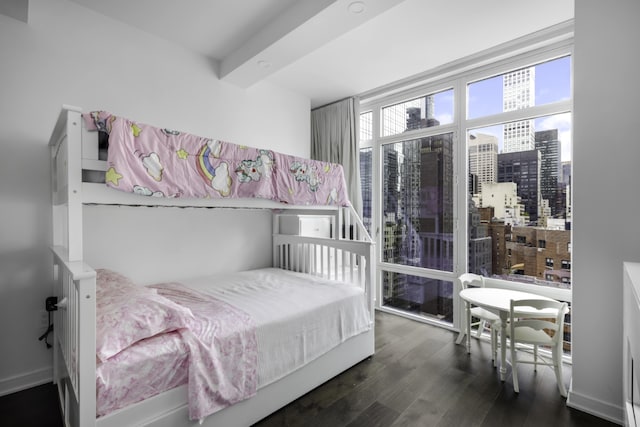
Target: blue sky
552	84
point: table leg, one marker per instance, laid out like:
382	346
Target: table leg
468	327
503	345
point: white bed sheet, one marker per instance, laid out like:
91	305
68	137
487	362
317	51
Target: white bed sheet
298	317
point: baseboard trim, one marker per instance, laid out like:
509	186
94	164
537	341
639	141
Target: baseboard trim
596	407
25	381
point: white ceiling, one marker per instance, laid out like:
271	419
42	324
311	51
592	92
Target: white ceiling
320	49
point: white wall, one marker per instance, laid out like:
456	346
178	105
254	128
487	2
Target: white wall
606	198
184	244
69	55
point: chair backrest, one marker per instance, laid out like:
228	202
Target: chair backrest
539	319
468	278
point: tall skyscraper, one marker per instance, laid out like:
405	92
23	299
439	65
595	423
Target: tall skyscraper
483	159
523	168
518	92
415	114
548	145
391	159
366	175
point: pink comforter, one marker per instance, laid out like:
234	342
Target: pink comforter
221	359
165	163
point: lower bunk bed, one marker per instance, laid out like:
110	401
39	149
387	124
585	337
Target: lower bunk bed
307	330
223	349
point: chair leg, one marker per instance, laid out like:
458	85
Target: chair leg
480	329
535	358
514	368
557	365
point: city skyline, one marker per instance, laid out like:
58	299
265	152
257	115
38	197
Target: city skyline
485	97
552	84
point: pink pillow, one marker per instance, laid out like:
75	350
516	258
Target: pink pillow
111	283
127	313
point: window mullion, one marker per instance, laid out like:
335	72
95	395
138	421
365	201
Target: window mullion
518	115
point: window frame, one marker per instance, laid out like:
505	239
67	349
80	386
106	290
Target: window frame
457	76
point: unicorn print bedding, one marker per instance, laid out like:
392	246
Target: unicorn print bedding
160	162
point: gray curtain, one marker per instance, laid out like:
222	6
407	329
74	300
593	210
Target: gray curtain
334	139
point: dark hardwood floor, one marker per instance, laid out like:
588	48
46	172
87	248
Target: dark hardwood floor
418	377
35	407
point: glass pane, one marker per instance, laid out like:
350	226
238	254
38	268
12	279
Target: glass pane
417	205
419	295
537	85
419	113
366	126
519	201
366	185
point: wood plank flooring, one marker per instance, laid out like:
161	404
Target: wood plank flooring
418	377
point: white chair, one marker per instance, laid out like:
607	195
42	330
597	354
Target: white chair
484	316
538	329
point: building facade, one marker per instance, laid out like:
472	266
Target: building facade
518	92
523	168
548	144
483	159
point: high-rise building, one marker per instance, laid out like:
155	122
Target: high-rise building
435	213
483	159
390	164
523	168
414	114
499	231
366	186
548	144
566	193
479	243
566	173
518	90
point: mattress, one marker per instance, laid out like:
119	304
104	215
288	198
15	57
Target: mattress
298	317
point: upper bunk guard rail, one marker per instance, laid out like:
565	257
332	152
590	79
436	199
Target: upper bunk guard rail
74	152
75	336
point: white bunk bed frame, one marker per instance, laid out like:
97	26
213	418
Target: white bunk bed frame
74	149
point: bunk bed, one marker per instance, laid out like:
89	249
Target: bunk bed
337	262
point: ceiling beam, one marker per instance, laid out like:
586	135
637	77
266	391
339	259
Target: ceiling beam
16	9
303	28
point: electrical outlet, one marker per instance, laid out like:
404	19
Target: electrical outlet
44	318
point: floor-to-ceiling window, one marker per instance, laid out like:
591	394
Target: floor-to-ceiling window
471	172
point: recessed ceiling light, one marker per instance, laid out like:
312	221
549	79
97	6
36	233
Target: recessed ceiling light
356	7
264	64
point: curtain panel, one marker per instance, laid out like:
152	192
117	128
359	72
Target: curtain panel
334	139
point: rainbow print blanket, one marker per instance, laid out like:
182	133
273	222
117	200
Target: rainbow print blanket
159	162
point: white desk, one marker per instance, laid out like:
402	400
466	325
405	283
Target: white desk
498	301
